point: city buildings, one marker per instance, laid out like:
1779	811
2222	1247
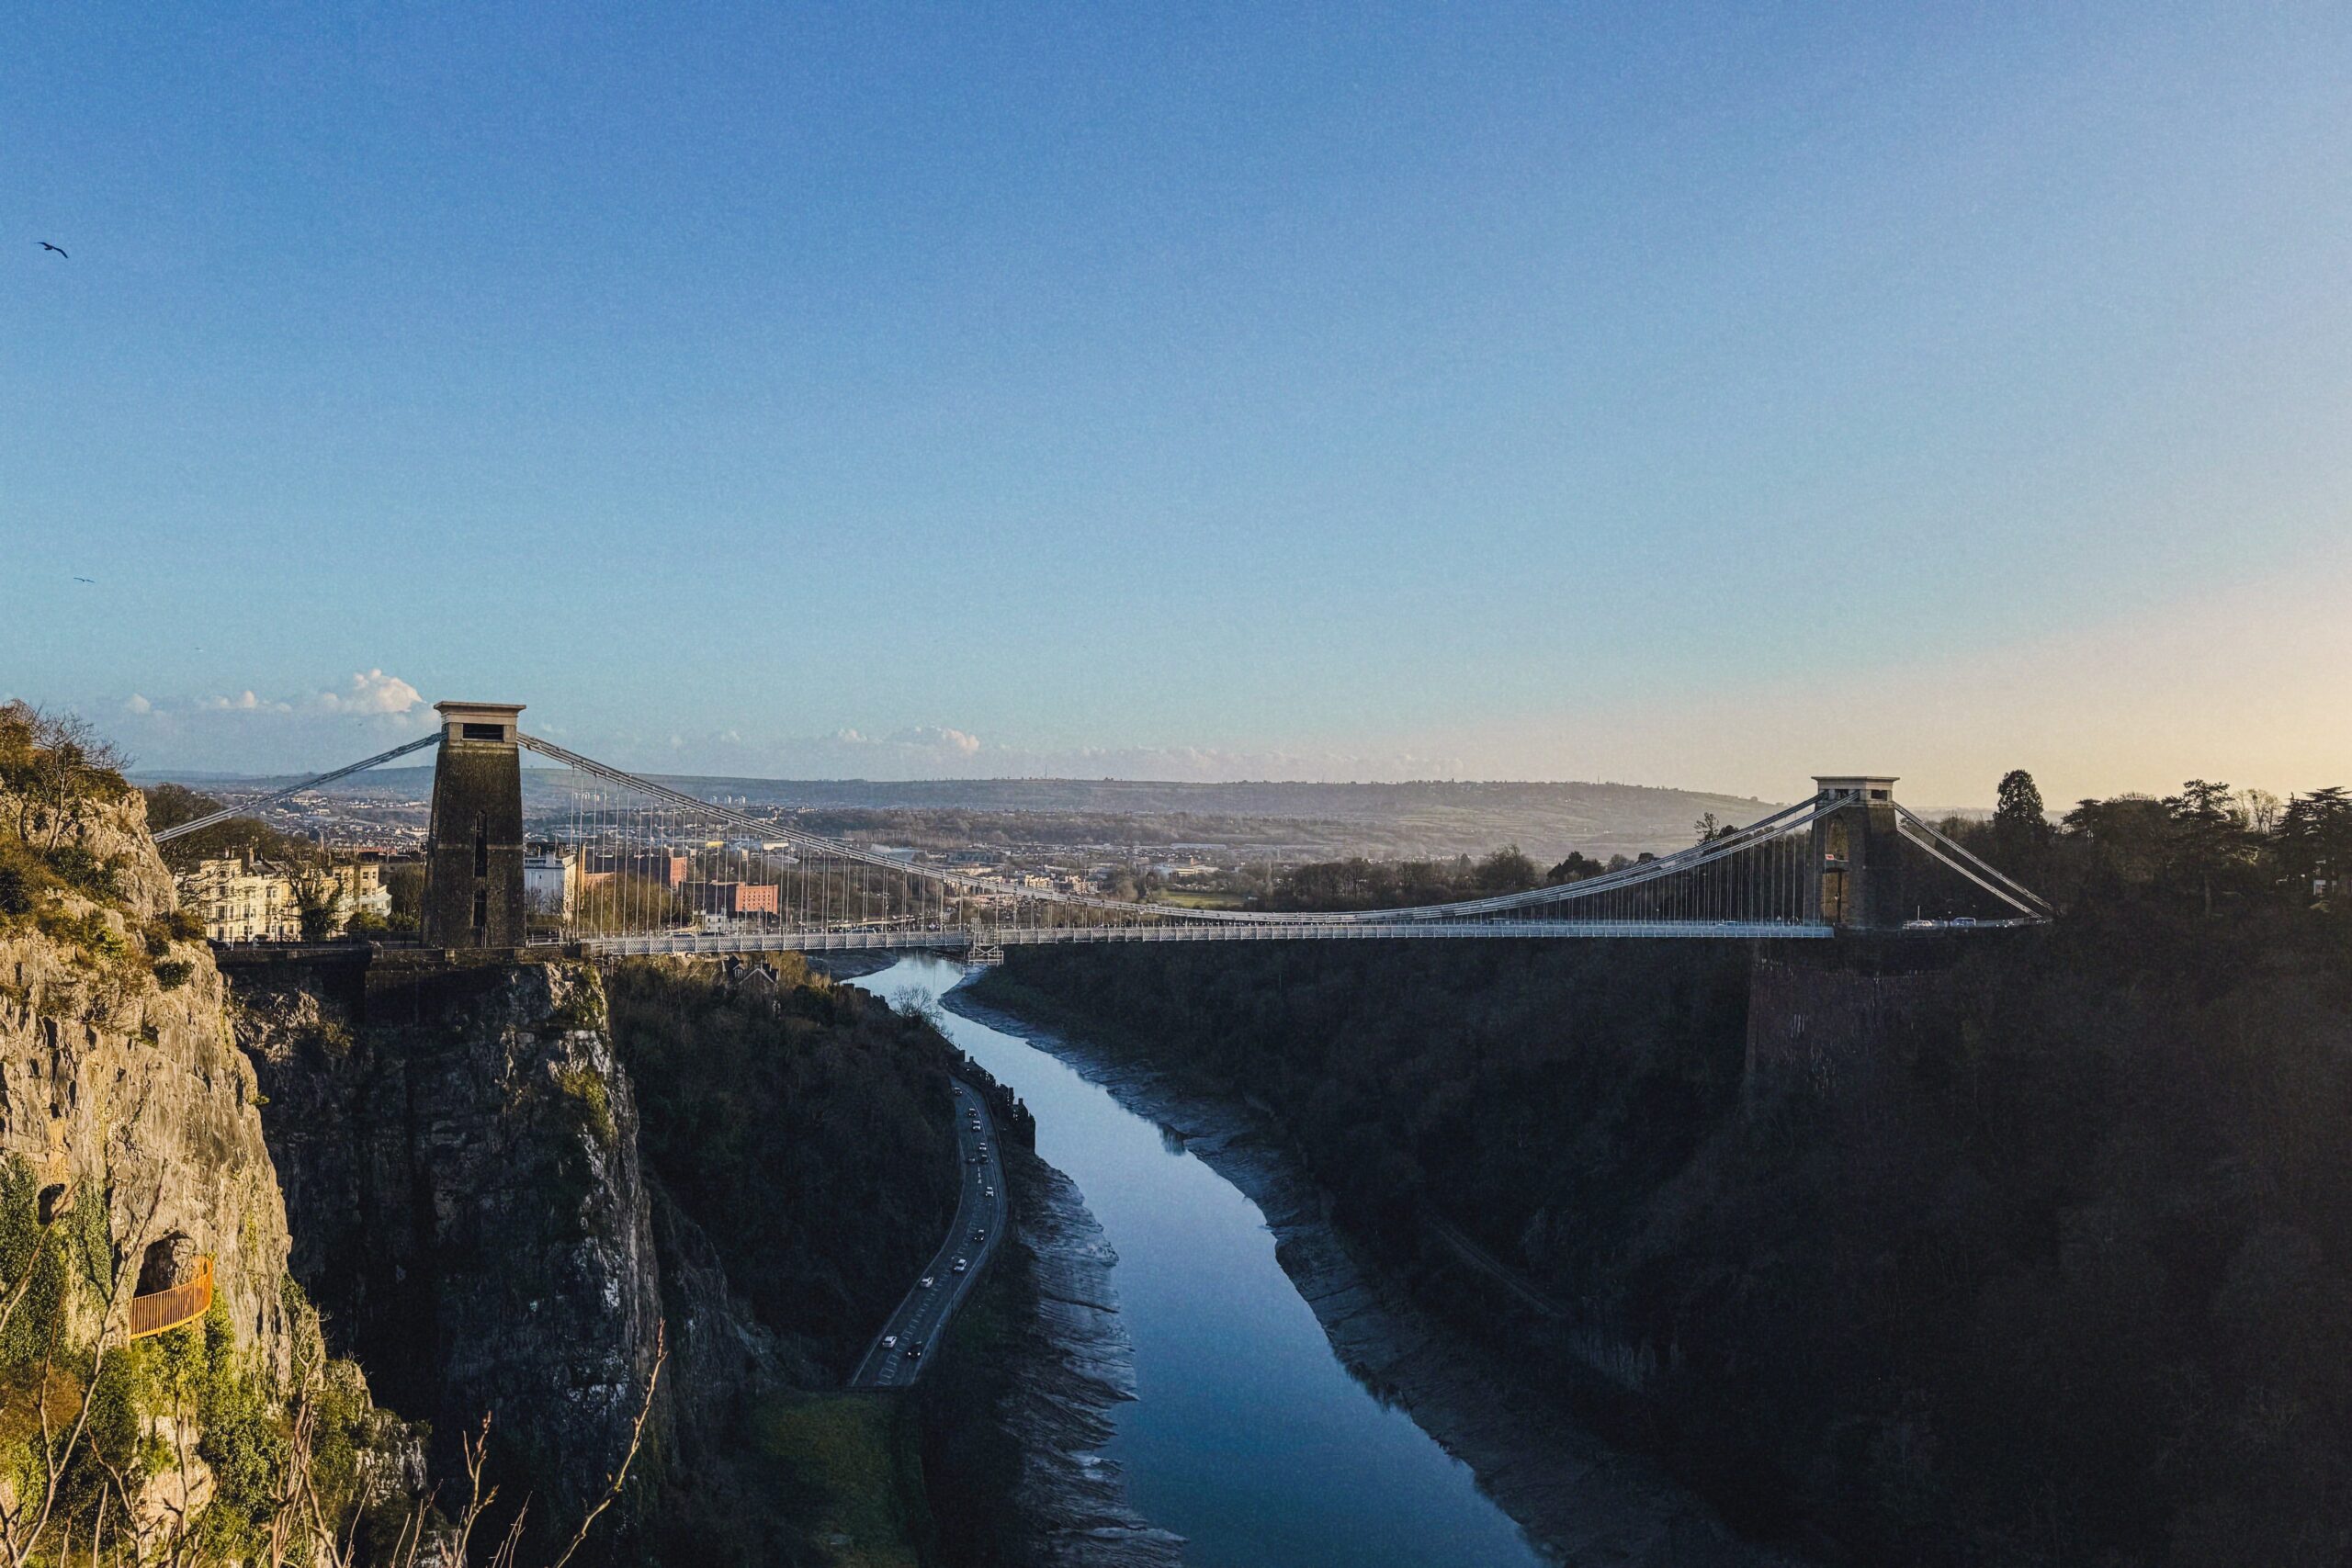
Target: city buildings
248	899
731	898
242	899
551	881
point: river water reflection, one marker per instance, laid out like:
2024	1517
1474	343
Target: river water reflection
1249	1438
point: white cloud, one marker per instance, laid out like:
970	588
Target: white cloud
931	737
371	693
247	731
244	702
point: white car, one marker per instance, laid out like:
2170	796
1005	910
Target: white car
889	1341
926	1281
961	1265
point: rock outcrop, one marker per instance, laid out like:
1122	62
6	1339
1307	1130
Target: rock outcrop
460	1158
121	1086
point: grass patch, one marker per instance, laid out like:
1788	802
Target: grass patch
845	1458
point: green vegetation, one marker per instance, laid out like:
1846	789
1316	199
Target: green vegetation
844	1463
55	777
583	1087
808	1131
56	773
105	1422
820	1100
2057	1274
1190	899
1361	884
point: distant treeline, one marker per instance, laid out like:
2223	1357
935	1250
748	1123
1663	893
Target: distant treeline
1361	884
2065	1276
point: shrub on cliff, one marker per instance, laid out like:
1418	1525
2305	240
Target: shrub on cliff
55	772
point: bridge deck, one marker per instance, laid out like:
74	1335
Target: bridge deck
914	941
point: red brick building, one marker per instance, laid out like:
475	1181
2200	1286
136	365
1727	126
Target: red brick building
731	898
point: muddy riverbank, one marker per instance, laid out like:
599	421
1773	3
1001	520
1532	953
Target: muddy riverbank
1074	1366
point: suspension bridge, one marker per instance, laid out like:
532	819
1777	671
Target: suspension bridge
610	862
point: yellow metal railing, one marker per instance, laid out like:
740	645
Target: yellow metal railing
166	1310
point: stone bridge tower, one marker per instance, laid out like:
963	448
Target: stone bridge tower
1857	860
474	854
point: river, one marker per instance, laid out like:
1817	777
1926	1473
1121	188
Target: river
1248	1437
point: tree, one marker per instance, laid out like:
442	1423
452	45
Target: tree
1706	827
2314	838
2019	817
1508	869
1575	868
57	769
2210	834
318	901
405	883
169	804
2125	841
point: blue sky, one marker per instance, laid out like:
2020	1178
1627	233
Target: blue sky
1698	398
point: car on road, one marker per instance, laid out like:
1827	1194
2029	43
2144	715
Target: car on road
961	1265
989	1194
926	1281
914	1350
889	1341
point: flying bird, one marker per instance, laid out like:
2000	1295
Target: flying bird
59	249
91	580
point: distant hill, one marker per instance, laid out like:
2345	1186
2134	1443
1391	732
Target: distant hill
1433	817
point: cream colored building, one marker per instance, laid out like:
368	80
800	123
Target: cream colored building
362	885
240	898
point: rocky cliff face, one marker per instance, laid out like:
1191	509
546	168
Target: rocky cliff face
460	1159
121	1084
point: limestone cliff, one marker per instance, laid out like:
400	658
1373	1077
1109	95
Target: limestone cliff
460	1157
120	1083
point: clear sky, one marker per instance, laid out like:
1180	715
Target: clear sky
1702	396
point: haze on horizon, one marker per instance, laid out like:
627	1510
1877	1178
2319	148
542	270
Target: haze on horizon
1702	401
